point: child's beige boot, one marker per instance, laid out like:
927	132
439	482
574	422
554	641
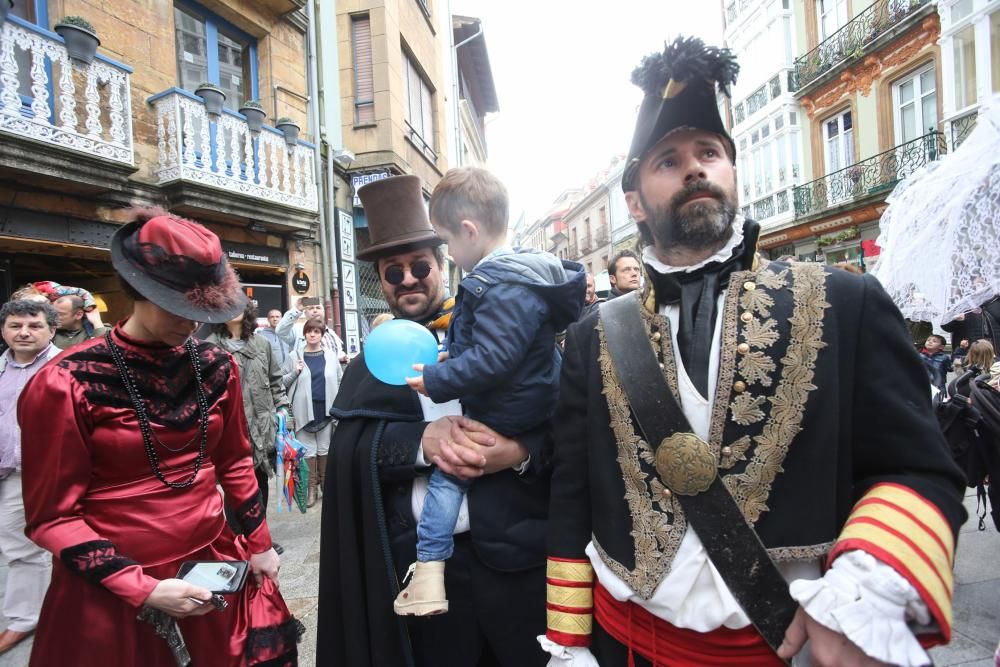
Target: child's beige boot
424	594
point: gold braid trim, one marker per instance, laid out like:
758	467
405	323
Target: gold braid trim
750	489
572	624
566	571
656	533
582	598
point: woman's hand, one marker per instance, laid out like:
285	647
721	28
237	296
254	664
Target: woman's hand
265	564
177	598
299	365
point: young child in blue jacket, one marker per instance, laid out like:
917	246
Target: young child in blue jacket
503	363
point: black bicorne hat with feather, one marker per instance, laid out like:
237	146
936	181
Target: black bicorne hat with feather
679	86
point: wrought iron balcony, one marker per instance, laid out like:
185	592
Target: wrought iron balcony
872	176
962	127
222	153
850	42
47	97
770	206
601	237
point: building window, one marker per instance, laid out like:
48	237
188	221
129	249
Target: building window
839	142
914	100
420	106
364	81
209	49
831	15
960	10
995	50
964	52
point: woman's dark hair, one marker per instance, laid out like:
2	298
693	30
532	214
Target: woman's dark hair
29	308
249	323
314	324
130	291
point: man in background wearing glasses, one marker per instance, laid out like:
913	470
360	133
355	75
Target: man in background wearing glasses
380	455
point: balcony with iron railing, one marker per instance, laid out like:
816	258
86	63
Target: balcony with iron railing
223	154
961	127
855	39
61	117
872	178
601	237
771	206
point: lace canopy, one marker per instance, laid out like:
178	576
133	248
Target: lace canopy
940	236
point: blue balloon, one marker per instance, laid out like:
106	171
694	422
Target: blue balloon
392	348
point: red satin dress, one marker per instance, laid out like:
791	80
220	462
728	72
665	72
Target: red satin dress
115	530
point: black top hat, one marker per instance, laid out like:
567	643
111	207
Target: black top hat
178	265
397	217
680	94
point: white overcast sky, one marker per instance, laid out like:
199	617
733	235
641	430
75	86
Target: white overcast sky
562	74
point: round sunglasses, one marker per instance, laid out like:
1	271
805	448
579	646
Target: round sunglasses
394	274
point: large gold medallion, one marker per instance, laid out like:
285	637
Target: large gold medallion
685	464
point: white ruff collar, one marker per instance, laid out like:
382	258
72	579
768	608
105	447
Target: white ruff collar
725	252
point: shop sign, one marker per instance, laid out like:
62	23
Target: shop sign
357	180
300	282
244	253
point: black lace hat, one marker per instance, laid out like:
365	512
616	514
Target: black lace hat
680	93
179	265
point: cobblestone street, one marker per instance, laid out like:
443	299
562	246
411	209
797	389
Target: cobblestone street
977	594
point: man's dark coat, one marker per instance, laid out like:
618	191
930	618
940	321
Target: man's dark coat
369	533
820	396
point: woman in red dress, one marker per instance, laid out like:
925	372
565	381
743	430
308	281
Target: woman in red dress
125	437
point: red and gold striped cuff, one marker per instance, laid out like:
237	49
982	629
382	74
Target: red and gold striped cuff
569	600
904	530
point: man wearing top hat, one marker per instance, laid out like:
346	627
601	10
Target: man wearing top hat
730	478
380	456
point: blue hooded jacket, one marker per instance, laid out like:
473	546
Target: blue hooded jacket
503	361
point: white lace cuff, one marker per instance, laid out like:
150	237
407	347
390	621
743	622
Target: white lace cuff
870	603
567	656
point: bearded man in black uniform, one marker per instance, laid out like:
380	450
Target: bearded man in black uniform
745	453
386	439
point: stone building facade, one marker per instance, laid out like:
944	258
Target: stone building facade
80	142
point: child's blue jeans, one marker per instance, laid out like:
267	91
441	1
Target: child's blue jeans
438	517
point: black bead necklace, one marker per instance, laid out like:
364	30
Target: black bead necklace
140	412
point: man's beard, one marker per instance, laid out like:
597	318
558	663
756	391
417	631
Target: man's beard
704	224
430	309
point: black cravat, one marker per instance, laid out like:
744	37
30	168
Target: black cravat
697	296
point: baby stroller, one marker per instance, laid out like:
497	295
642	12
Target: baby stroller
969	415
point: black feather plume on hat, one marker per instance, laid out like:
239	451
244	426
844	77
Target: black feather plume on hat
686	59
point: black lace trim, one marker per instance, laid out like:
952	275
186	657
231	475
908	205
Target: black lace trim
166	381
274	640
250	514
95	560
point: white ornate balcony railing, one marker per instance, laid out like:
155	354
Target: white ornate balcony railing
42	92
222	153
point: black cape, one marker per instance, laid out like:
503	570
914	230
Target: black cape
357	580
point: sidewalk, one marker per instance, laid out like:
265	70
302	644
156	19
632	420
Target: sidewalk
977	592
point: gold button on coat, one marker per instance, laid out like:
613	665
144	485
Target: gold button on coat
726	451
666	493
749	285
739	386
656	337
746	317
743	348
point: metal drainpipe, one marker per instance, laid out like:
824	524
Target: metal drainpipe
334	225
454	94
313	101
